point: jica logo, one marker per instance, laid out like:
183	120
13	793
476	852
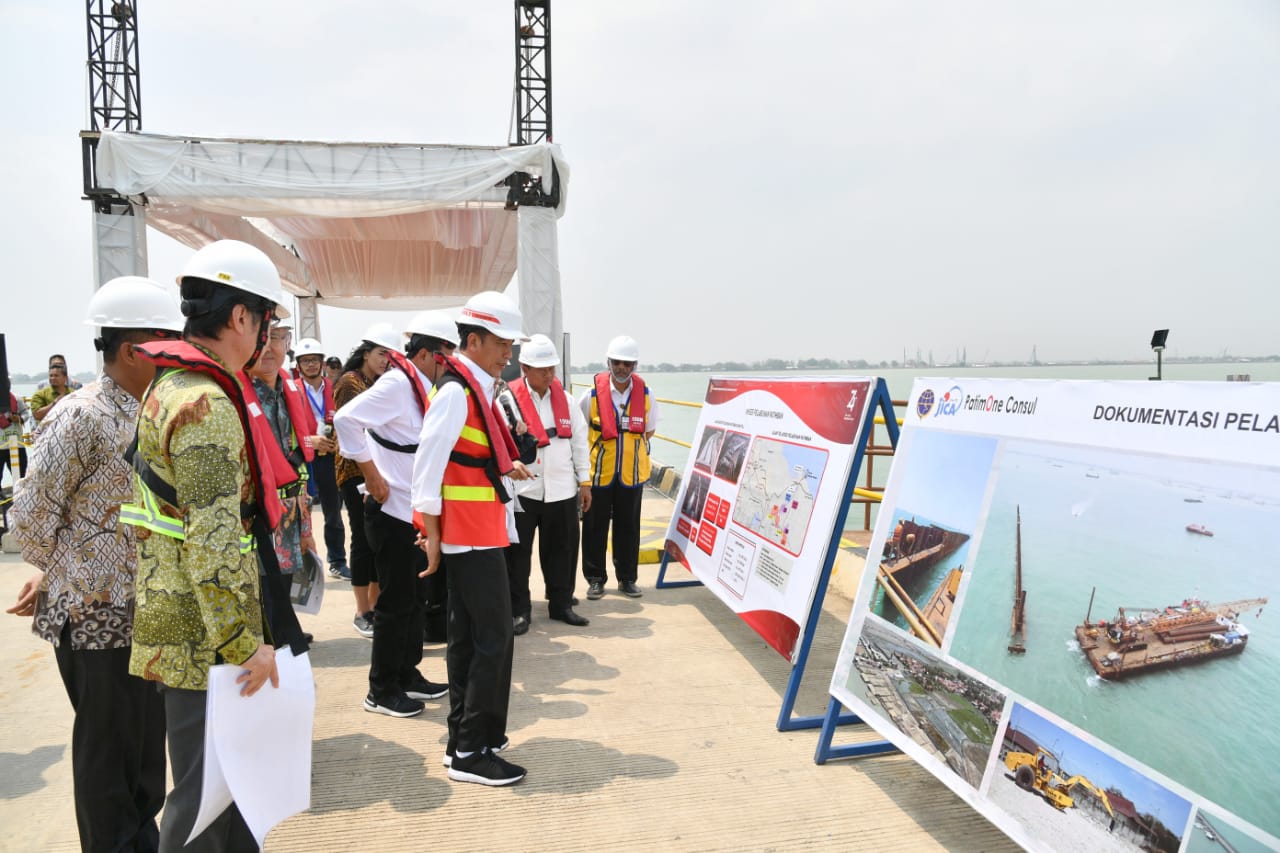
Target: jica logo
924	403
950	402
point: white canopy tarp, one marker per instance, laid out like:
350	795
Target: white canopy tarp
356	225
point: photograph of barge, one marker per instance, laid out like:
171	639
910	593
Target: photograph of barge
917	582
1153	639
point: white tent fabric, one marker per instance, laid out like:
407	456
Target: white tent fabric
356	225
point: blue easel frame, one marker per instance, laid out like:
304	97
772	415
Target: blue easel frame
880	404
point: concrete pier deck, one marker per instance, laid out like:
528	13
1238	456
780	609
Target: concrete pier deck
651	729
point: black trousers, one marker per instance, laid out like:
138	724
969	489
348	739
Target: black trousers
398	614
556	524
620	505
185	711
480	648
335	537
361	559
117	748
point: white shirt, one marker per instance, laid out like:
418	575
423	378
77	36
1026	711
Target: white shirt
389	408
315	396
437	437
620	399
562	464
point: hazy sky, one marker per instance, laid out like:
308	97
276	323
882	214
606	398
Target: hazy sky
749	179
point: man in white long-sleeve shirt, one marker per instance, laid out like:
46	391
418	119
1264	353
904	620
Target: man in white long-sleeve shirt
549	500
465	450
378	430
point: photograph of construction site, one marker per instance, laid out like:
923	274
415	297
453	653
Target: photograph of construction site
950	715
936	506
1125	593
1072	796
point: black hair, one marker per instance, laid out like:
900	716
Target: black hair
111	340
208	306
419	342
356	360
465	329
333	361
57	356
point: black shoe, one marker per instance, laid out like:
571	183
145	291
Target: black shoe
420	689
308	637
520	625
451	750
486	769
340	571
595	590
364	624
398	705
575	602
569	617
629	589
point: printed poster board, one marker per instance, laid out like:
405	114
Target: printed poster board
1063	616
760	494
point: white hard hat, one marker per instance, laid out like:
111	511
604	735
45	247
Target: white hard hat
539	352
134	302
307	346
238	265
623	348
433	324
384	335
490	310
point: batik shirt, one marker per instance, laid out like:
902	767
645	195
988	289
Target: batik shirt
296	521
198	598
349	386
64	517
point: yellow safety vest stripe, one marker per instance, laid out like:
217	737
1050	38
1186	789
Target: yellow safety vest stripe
468	493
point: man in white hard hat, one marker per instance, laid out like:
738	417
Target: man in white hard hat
379	431
464	452
308	358
81	597
368	361
622	416
549	499
208	474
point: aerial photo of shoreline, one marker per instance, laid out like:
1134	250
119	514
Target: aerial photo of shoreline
949	714
1138	628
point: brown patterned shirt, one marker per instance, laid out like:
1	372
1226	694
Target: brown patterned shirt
350	385
64	517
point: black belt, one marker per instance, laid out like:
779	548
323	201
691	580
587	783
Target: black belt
391	445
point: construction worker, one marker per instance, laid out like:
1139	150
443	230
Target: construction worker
308	360
81	596
379	430
205	495
548	501
465	451
622	417
368	361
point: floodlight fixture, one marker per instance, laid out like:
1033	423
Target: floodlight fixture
1158	338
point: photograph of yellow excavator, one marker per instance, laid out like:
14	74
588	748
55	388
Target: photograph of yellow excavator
1100	804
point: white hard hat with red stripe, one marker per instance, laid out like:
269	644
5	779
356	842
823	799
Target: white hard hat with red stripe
494	312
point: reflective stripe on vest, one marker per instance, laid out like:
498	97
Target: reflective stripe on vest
471	512
625	457
148	515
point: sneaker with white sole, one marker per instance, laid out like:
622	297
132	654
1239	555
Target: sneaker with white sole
451	749
420	688
485	768
364	624
398	705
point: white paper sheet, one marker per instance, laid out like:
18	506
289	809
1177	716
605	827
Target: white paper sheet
258	749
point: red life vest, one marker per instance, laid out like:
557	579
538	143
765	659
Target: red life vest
635	421
399	360
301	418
327	388
472	512
268	466
529	411
13	410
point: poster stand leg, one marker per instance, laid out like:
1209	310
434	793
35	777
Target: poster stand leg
662	583
825	751
880	403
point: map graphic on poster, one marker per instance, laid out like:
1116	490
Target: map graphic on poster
779	486
1062	613
761	495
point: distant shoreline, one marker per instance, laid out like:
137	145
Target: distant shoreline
859	364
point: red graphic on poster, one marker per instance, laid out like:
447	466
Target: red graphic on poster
707	537
684	528
836	417
778	630
722	514
712	507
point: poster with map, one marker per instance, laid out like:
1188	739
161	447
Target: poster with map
1064	615
760	495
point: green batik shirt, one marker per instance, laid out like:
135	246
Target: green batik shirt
197	599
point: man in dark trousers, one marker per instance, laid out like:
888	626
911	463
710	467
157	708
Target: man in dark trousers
308	358
622	416
460	492
548	501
